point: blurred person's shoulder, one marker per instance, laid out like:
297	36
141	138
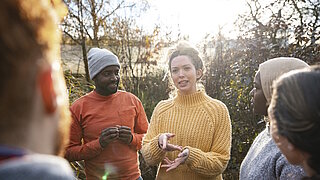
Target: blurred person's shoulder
36	166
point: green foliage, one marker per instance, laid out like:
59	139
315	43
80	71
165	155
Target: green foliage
151	89
77	85
231	64
229	78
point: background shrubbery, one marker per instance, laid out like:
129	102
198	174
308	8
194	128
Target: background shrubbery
292	28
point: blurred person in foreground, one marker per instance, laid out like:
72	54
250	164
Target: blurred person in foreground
190	134
295	118
33	101
264	160
107	124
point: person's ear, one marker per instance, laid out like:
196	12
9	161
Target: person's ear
199	74
48	94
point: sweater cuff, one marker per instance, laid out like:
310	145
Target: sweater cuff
154	146
134	140
193	157
96	145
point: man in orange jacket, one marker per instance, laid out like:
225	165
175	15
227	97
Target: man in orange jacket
110	123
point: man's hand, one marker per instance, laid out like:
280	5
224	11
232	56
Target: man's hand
165	145
108	135
125	134
182	157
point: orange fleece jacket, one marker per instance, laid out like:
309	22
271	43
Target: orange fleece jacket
90	115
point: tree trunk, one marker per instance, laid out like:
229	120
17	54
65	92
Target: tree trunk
85	58
83	44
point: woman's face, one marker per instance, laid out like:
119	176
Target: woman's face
184	74
258	100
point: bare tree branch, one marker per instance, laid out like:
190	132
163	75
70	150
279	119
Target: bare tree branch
254	15
72	37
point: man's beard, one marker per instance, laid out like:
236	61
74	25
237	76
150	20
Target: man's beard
110	91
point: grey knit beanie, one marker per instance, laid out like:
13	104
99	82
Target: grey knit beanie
98	59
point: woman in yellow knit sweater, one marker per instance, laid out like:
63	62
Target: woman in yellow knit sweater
190	134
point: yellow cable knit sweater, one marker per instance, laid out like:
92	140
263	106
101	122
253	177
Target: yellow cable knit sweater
202	125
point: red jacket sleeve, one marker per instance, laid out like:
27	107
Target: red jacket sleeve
75	150
140	127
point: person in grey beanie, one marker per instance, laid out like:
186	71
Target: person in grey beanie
107	124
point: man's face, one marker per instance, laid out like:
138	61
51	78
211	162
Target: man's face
258	100
107	80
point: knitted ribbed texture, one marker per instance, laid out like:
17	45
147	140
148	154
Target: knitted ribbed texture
202	125
264	161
